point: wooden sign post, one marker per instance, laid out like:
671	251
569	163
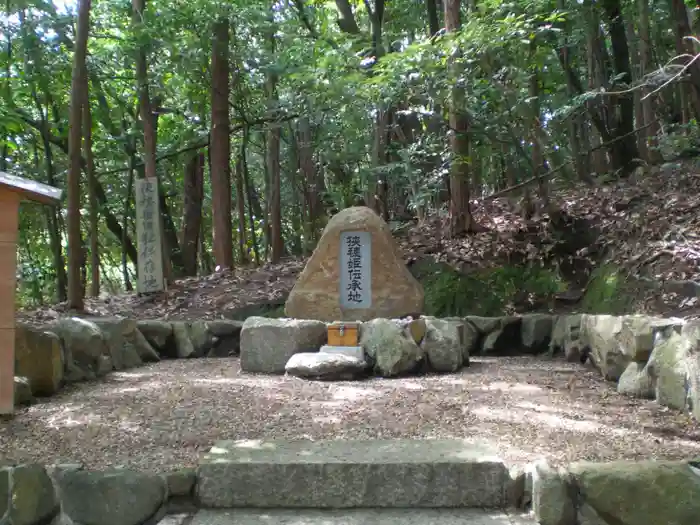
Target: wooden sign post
12	191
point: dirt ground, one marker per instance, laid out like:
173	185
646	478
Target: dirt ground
164	415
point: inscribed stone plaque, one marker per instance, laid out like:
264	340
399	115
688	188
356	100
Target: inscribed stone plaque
150	268
355	269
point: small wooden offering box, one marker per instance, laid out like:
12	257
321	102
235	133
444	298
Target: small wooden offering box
343	334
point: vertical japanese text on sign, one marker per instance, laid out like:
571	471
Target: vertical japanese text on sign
148	228
355	270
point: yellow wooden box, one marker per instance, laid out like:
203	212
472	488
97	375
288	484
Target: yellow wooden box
343	334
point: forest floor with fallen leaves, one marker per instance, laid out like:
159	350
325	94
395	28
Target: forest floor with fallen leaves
646	226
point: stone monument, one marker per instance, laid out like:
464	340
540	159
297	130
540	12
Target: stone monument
356	273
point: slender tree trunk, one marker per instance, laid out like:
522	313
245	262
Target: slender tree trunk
52	214
251	198
92	199
146	113
646	63
78	96
44	128
240	206
679	15
265	210
172	256
309	177
596	79
205	263
220	148
624	151
378	188
433	20
192	212
536	130
578	136
125	221
346	18
5	151
274	169
460	213
636	70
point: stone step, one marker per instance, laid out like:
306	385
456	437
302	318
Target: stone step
351	474
359	517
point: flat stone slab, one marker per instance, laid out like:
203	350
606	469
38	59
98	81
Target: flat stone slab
351	474
359	517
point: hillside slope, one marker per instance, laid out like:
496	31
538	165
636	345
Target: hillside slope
618	247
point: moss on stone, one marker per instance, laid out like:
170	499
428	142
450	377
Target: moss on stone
640	492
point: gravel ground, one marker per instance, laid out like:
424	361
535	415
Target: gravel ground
164	415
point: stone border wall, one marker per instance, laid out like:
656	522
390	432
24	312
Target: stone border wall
68	495
633	493
77	349
647	357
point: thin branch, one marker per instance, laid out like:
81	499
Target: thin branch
202	144
549	173
685	68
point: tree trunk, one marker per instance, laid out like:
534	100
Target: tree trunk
637	94
310	179
273	163
92	198
433	20
220	148
171	243
597	75
679	16
624	151
111	220
264	214
375	187
125	222
346	18
172	256
44	128
78	96
5	152
252	201
460	213
149	132
52	214
240	205
192	212
536	130
577	126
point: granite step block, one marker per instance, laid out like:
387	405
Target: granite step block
360	517
337	474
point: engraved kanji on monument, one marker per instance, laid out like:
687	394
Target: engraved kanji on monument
356	273
148	237
355	270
